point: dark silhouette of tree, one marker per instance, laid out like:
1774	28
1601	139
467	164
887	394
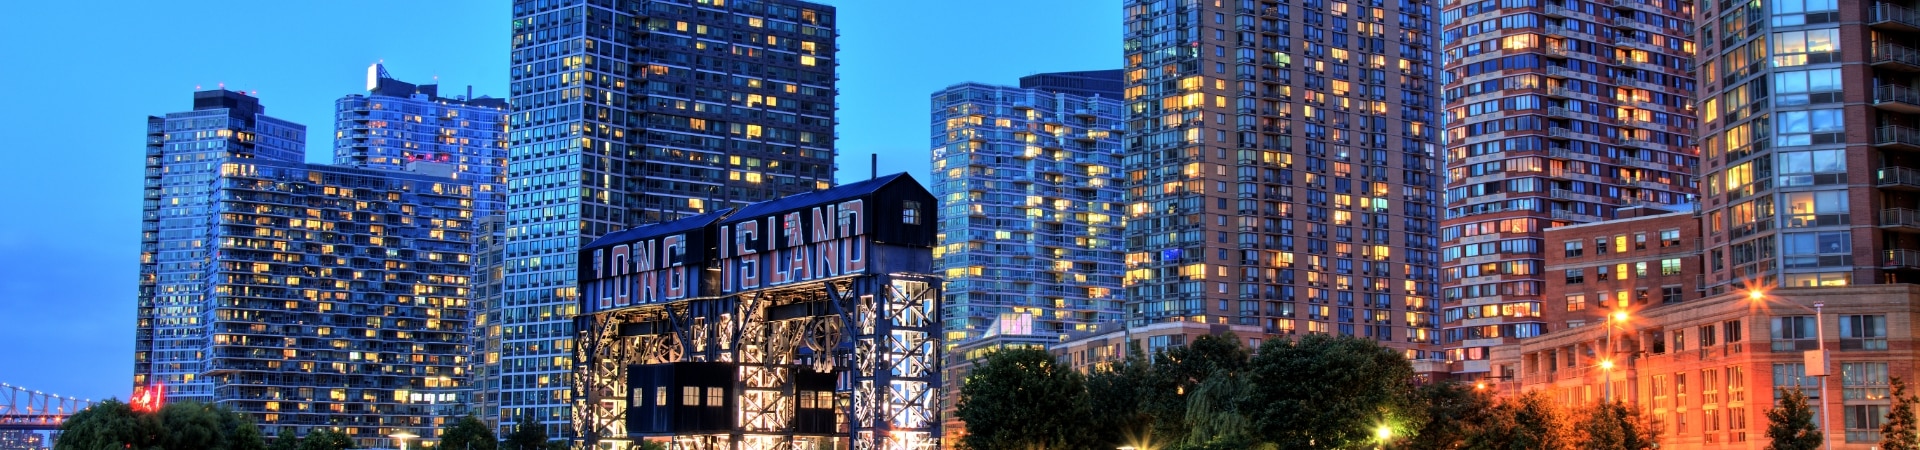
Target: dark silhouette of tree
1021	399
1454	413
1113	395
528	434
468	433
1322	391
178	426
326	439
1177	371
1790	423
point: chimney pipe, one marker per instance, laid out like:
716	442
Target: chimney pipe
873	167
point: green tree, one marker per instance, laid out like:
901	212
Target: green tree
326	439
653	445
1790	423
1114	398
1322	391
178	426
1527	422
107	425
1177	372
1454	412
468	433
1021	399
1616	426
1215	411
529	433
1898	432
286	440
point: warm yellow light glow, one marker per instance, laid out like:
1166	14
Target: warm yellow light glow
1606	364
1620	316
1754	295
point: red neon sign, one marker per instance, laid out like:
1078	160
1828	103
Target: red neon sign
149	398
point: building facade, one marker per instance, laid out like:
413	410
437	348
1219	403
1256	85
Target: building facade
634	112
1032	206
1625	265
1811	184
304	295
398	123
1558	112
1709	369
1280	163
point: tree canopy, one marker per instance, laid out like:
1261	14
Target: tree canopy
113	425
1023	398
468	433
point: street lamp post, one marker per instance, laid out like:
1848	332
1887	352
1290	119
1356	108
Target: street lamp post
1825	365
1607	363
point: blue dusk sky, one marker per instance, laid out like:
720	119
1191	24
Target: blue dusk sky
81	78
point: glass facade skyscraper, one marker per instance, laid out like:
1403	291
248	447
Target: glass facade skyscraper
1280	162
304	295
1030	204
632	112
398	123
1559	112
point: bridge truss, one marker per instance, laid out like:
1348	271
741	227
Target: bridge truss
27	409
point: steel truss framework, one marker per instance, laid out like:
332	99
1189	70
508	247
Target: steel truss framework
877	333
27	409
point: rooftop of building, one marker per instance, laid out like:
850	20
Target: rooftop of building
380	83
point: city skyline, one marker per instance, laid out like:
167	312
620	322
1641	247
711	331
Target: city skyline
88	261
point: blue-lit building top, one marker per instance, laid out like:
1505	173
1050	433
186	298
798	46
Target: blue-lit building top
397	124
1031	204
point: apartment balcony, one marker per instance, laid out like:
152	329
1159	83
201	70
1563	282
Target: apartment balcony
1572	216
1900	178
1555	51
1900	219
1621	4
1559	133
1559	93
1896	57
1895	137
1561	72
1555	11
1891	17
1897	98
1561	112
1900	259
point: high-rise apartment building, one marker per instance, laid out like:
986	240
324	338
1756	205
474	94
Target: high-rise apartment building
1558	112
397	123
304	295
1032	206
634	112
1812	157
1280	166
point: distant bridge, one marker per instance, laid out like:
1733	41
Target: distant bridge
27	409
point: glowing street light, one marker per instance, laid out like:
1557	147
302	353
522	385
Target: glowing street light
1618	315
403	436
